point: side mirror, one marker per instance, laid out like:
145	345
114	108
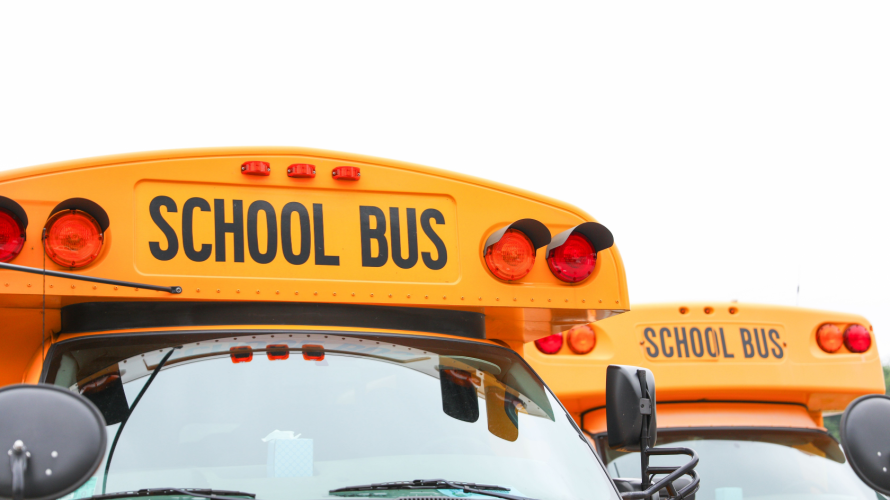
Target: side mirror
630	407
630	421
56	440
866	440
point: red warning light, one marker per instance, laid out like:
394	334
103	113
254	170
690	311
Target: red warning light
574	260
277	351
301	171
550	344
313	352
347	173
256	168
12	235
857	339
241	354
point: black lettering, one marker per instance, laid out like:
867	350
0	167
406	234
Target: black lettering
726	353
188	237
693	334
425	217
236	227
287	242
774	337
378	233
253	243
318	222
651	340
681	341
668	351
708	332
747	342
154	209
396	235
765	353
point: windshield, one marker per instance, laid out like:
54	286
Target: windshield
295	415
756	464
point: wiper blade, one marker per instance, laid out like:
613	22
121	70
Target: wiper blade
422	484
192	492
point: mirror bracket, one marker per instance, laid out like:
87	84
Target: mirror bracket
18	458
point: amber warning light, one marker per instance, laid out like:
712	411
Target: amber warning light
72	238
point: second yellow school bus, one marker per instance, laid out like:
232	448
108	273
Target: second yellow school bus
301	324
744	385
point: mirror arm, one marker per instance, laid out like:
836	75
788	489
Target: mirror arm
667	481
646	414
18	456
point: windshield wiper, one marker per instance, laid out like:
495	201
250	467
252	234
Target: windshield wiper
425	484
191	492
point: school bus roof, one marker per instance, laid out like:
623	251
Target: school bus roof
714	351
401	235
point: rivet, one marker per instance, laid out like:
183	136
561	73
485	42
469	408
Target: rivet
94	287
353	294
461	298
7	284
335	294
497	298
533	300
257	292
136	289
49	472
409	295
784	344
296	293
372	295
314	293
879	453
72	286
549	300
583	300
601	301
52	286
616	301
390	295
217	290
114	287
198	290
444	297
277	292
480	298
642	343
514	299
567	300
29	285
54	454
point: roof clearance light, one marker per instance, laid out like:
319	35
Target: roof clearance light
581	339
72	238
550	344
241	354
256	168
12	235
277	351
313	352
829	337
512	257
347	173
574	260
857	339
301	171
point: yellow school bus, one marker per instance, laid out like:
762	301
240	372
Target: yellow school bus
744	385
292	323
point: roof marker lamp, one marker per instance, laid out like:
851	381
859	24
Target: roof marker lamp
277	351
581	339
72	238
313	352
571	255
510	251
12	235
829	337
857	338
241	354
550	344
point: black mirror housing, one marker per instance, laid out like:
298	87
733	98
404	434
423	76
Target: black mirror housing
626	405
55	439
866	440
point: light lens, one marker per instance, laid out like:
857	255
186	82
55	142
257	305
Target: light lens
241	354
512	257
12	235
277	351
857	338
581	339
574	260
829	337
312	352
550	344
73	238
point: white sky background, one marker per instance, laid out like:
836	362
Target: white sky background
734	149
